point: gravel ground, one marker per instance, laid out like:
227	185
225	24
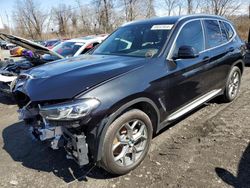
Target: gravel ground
208	148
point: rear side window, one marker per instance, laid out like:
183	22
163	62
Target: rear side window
229	30
190	35
223	32
213	33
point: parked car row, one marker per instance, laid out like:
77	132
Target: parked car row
38	55
6	45
106	106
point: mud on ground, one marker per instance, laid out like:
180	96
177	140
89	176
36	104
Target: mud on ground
208	148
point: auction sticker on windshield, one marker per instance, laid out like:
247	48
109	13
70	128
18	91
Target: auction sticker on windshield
162	27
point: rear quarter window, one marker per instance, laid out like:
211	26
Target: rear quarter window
229	30
224	34
213	33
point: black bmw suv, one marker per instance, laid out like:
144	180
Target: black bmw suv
106	106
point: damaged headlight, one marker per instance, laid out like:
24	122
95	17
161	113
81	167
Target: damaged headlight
70	110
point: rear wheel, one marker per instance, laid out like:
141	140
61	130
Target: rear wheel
127	142
232	85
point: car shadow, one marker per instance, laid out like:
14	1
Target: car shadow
242	179
33	154
36	155
6	100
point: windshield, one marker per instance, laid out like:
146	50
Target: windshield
50	43
67	49
144	40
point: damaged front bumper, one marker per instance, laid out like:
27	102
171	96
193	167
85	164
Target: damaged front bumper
58	136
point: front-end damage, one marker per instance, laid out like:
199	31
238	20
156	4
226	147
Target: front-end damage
59	133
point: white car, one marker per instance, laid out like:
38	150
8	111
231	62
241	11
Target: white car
78	46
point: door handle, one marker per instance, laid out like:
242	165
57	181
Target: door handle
206	58
231	49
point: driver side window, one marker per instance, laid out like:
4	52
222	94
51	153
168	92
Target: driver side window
191	35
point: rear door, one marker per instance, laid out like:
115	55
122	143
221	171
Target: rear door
220	51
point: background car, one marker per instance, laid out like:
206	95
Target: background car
37	55
78	46
2	44
7	46
49	43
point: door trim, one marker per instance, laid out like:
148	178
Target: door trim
187	108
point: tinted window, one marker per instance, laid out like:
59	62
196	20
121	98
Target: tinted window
229	30
190	35
214	36
223	32
68	48
142	40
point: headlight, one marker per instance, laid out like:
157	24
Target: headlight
70	110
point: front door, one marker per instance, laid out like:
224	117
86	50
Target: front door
187	81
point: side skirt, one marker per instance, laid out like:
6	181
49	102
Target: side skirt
189	107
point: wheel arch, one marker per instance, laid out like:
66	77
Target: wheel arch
240	64
143	103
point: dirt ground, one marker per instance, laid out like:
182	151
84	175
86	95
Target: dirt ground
208	148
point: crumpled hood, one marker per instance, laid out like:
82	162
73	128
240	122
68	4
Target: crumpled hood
64	79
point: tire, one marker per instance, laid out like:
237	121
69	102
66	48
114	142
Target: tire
232	85
121	153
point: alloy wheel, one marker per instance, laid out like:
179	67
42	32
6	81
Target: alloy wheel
129	143
234	84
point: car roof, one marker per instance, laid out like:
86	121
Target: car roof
83	40
173	19
52	40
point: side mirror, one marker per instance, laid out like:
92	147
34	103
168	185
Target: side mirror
187	52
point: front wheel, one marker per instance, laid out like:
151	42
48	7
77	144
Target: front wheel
232	85
127	142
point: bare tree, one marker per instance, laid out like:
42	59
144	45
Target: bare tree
130	9
30	17
189	6
150	12
74	25
136	9
104	10
62	14
170	5
224	7
87	21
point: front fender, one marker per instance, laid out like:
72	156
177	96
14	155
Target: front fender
106	122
